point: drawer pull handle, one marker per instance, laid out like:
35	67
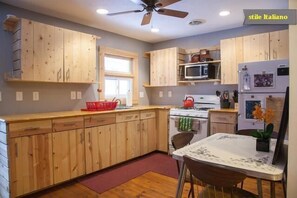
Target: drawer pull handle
32	129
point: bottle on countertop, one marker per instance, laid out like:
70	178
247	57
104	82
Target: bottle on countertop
129	99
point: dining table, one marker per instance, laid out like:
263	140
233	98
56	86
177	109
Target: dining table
234	152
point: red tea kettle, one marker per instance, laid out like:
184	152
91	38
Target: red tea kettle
189	102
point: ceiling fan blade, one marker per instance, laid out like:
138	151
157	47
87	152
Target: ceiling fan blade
125	12
174	13
140	1
146	18
164	3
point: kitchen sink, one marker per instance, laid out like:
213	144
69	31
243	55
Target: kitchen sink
122	107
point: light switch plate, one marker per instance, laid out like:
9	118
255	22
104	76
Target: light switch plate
35	95
141	94
161	94
0	96
169	94
78	95
19	96
73	95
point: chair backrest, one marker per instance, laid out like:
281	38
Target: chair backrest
213	175
181	139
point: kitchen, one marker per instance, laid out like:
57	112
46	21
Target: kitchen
50	93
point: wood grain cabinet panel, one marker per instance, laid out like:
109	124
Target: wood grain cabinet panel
148	135
79	57
100	147
30	163
223	122
68	154
256	47
279	45
99	120
162	129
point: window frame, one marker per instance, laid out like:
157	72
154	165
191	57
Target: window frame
106	51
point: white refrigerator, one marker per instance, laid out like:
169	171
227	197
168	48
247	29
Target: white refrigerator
260	83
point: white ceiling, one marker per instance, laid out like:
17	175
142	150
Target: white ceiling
84	12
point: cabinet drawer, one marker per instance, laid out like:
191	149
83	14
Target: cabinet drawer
222	128
126	117
98	120
223	117
147	114
29	128
65	124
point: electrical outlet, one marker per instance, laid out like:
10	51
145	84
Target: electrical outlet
19	96
78	95
73	95
0	96
169	94
35	95
141	94
161	94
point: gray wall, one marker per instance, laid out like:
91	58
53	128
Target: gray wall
56	96
203	41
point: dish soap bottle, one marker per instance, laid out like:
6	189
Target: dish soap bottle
129	99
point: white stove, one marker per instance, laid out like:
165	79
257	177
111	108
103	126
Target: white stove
198	114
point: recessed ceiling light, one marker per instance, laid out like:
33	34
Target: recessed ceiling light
102	11
155	30
224	13
197	22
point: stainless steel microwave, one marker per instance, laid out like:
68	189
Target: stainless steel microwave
199	71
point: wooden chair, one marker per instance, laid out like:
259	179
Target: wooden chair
178	141
217	181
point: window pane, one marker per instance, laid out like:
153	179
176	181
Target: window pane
117	64
124	86
111	86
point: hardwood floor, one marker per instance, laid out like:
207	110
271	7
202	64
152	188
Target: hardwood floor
150	184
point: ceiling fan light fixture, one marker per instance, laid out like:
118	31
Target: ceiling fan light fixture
224	13
197	22
102	11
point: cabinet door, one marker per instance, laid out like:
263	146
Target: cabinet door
164	66
48	53
231	56
279	45
100	147
79	57
121	142
30	163
162	133
256	47
68	154
148	136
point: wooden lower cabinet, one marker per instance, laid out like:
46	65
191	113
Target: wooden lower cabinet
223	121
148	136
100	147
68	154
162	127
128	140
30	159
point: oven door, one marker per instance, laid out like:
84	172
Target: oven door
200	129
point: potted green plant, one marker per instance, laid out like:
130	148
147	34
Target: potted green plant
263	135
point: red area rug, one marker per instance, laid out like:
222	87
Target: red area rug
112	177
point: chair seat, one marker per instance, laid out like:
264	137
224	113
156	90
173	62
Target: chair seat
210	192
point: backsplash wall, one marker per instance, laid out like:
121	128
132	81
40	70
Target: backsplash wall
56	96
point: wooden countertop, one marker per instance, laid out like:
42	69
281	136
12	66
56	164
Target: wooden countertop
224	110
64	114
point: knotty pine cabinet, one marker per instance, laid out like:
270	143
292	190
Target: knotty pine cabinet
224	121
30	156
258	47
163	129
100	136
148	135
68	148
164	66
47	53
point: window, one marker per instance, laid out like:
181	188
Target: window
118	74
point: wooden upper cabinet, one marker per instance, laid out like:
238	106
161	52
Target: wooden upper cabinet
79	57
48	53
43	52
279	45
256	47
231	56
164	66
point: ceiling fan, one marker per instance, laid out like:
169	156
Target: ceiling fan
154	5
